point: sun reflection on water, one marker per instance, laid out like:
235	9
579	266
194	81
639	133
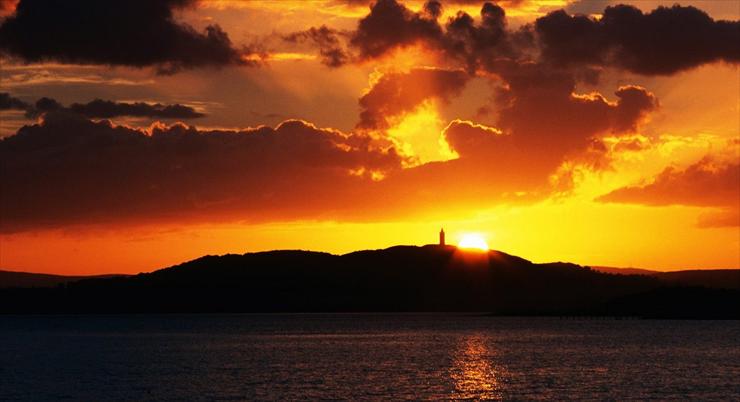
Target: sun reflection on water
473	372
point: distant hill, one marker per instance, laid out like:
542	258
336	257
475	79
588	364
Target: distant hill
14	279
624	271
712	278
401	278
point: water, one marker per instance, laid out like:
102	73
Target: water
364	356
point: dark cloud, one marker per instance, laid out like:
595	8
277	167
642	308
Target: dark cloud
433	8
468	138
546	130
396	94
663	41
634	104
535	148
8	102
500	167
491	148
44	105
389	26
69	170
106	109
481	43
706	183
542	111
328	40
134	33
543	122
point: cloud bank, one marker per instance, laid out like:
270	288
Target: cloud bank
68	170
8	102
99	108
106	109
662	42
133	33
706	183
395	94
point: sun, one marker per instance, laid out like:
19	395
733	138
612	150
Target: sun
473	241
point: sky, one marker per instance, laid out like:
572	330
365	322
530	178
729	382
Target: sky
136	135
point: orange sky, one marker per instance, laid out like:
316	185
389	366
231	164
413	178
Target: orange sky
551	153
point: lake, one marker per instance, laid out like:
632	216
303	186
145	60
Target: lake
364	356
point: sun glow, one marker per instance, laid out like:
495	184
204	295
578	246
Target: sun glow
473	241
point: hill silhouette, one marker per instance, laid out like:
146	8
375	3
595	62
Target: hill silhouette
624	271
401	278
711	278
17	279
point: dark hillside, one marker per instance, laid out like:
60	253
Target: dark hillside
402	278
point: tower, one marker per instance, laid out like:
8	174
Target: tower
441	236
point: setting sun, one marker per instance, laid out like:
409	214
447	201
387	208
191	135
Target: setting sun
473	241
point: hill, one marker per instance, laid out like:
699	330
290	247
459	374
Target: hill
402	278
624	271
711	278
15	279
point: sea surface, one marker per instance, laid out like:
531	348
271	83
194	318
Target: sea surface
364	357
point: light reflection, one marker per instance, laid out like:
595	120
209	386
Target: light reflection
473	372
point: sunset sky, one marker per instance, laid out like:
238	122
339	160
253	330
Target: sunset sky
141	134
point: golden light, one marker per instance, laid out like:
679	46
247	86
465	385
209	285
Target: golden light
417	134
473	241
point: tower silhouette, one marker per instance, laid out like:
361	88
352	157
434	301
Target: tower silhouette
441	236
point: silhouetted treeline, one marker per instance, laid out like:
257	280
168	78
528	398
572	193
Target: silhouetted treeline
403	278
